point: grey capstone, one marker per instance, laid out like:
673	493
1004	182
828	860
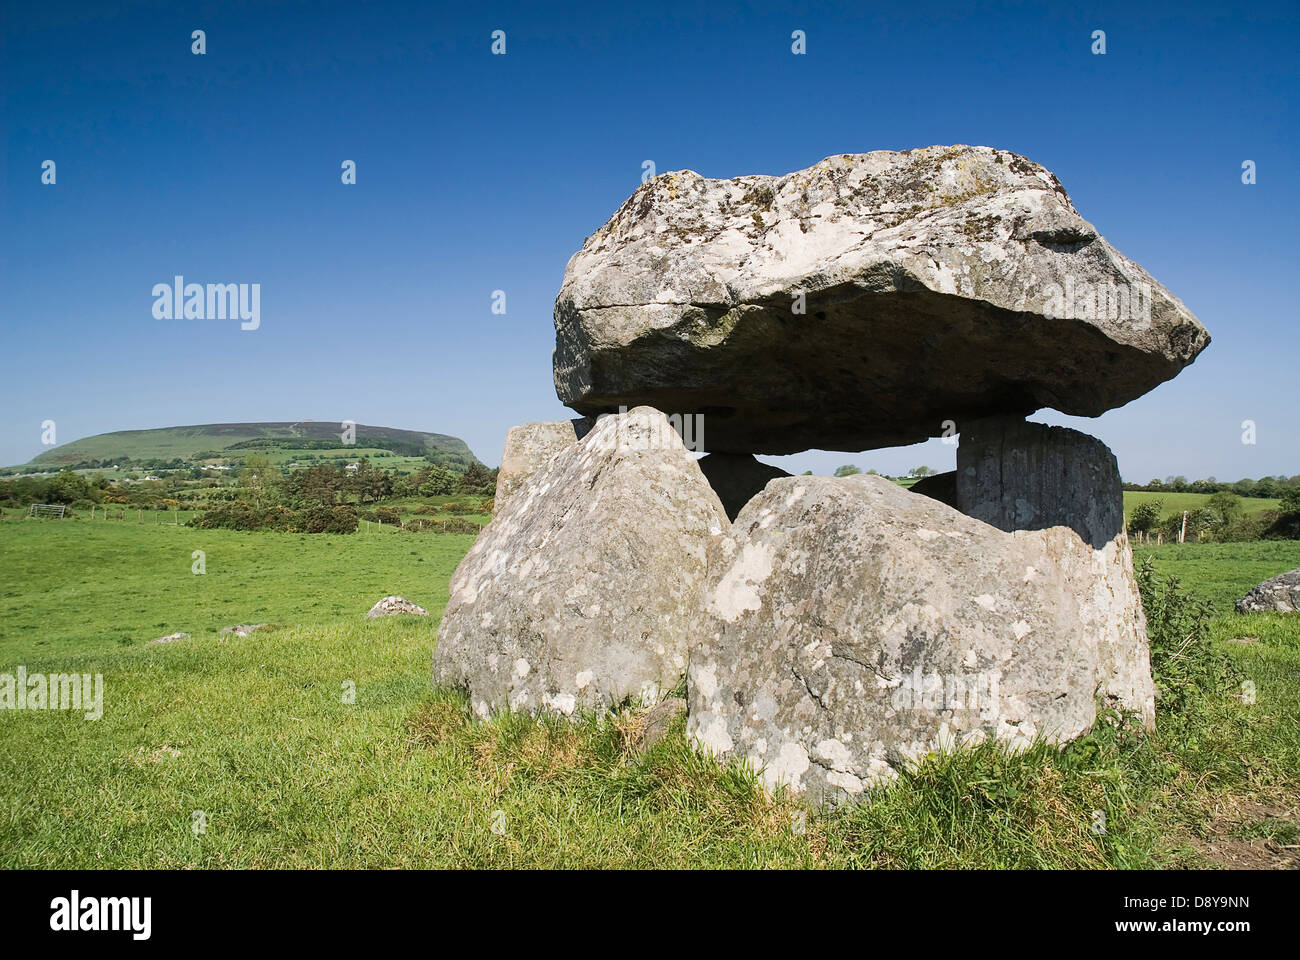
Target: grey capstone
863	302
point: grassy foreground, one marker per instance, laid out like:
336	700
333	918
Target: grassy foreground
259	742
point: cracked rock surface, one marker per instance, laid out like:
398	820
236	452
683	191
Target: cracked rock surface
944	283
857	626
585	590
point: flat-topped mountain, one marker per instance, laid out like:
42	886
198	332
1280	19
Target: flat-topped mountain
219	440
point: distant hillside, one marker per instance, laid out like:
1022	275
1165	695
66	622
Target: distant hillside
236	440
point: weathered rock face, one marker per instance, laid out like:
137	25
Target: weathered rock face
393	606
962	270
1279	595
736	478
860	626
586	587
1016	475
528	448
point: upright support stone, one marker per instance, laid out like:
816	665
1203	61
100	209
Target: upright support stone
586	589
853	628
1020	476
529	448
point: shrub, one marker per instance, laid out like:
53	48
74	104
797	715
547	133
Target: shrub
241	516
1186	668
315	519
322	519
1284	524
1281	526
1251	526
1145	516
455	525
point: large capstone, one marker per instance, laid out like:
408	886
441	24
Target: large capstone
867	301
586	589
859	627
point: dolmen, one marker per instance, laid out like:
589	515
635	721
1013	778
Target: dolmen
829	630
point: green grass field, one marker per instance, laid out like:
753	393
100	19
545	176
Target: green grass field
255	737
1178	502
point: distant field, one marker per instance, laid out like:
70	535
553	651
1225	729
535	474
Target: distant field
1178	502
101	586
1223	572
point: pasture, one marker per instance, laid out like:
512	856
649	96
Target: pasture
321	743
1178	502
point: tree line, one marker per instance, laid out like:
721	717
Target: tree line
1266	487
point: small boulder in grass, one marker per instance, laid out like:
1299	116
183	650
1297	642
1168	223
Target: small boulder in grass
171	638
391	606
657	722
244	629
1279	595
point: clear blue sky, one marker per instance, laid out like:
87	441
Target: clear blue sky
478	172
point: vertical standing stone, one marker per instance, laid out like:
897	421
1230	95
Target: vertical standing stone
737	478
529	448
586	589
1020	476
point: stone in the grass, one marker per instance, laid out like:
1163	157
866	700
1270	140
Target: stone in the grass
657	721
244	629
1281	594
392	606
